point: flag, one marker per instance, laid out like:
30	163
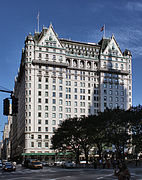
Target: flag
102	28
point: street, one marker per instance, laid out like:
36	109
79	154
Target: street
55	173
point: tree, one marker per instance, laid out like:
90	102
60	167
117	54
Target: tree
117	128
67	137
136	128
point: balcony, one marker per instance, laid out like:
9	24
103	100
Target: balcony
117	71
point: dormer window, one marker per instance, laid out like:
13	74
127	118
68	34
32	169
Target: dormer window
54	57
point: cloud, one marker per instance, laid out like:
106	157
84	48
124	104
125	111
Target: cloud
134	6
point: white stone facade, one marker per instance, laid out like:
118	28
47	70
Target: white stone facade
60	79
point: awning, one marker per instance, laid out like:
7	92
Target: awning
38	154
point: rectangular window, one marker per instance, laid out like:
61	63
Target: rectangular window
32	144
46	121
46	136
54	122
39	121
60	115
54	101
46	144
53	115
39	144
46	115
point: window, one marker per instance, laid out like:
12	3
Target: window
39	136
110	105
46	136
54	87
53	108
60	81
46	86
105	98
105	91
46	115
46	129
32	136
116	86
39	114
39	144
39	128
46	79
54	101
39	93
116	99
46	108
32	144
60	95
60	101
46	121
105	85
53	115
39	86
110	92
46	100
39	121
122	99
60	109
46	94
54	80
60	88
46	144
54	122
39	107
60	115
54	94
110	99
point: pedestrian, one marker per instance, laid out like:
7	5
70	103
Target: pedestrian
108	163
104	163
95	164
123	172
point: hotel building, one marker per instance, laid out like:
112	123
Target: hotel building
60	79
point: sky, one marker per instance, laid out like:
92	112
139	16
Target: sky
79	20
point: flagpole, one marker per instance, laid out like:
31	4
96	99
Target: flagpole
38	21
104	30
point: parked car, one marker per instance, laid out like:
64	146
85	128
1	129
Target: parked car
8	166
0	165
68	164
36	165
44	163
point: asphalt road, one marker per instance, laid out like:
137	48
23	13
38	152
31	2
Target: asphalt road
53	173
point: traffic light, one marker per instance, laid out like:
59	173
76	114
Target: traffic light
6	104
14	105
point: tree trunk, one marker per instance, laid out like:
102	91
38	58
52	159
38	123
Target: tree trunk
77	156
100	151
86	156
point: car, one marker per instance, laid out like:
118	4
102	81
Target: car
0	165
8	166
44	163
36	165
68	164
